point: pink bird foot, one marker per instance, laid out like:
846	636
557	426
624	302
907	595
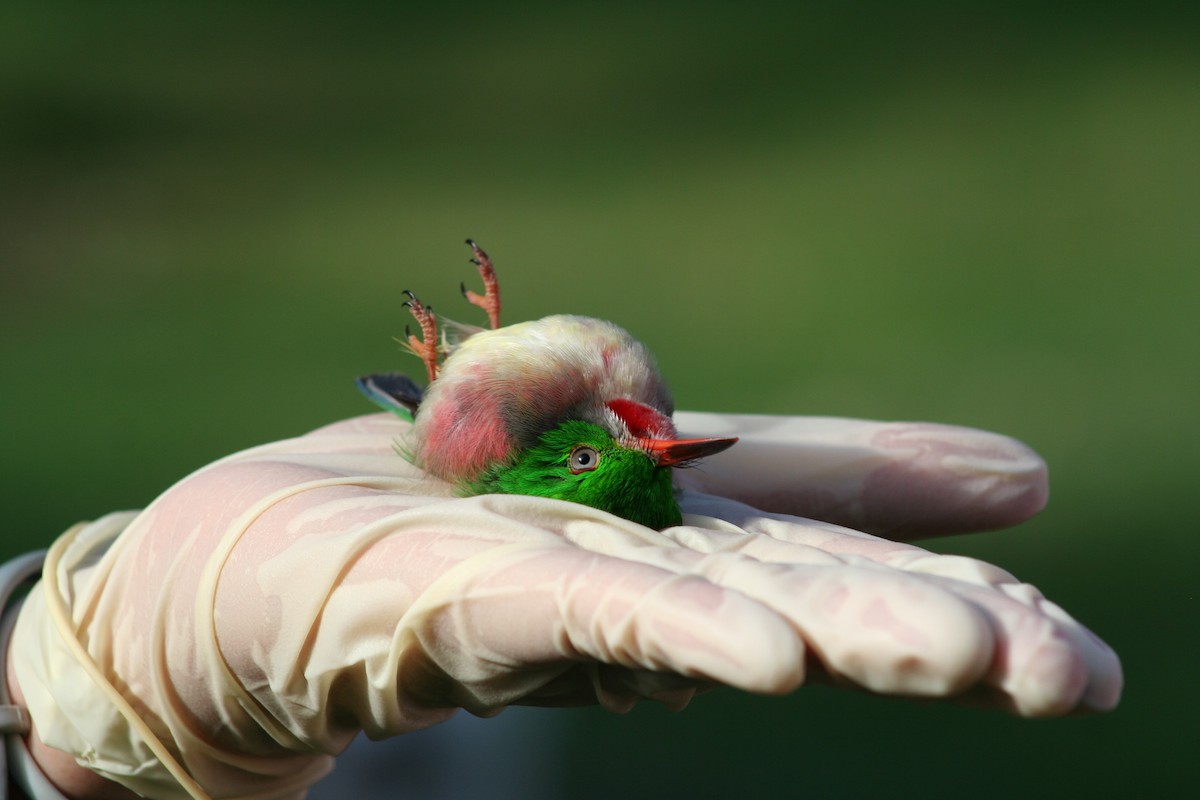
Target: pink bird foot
425	348
489	301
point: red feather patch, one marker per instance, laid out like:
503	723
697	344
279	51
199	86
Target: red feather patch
466	432
643	421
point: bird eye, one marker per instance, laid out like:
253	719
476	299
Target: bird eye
583	459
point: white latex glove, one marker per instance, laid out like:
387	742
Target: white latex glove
265	609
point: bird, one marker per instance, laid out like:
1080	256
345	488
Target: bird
566	407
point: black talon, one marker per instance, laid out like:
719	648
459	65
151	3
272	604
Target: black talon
474	261
471	242
407	331
411	296
462	287
406	304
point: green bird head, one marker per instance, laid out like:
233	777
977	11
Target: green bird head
584	463
566	407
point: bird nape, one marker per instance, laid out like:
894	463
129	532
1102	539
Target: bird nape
566	407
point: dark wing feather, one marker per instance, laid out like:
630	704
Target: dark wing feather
392	391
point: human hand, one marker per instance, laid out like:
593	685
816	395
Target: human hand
265	609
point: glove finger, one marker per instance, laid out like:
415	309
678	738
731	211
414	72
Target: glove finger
1038	668
865	474
506	627
885	631
1105	675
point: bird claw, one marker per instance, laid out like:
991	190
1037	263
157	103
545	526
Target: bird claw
489	301
426	347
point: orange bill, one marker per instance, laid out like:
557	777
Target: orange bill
670	452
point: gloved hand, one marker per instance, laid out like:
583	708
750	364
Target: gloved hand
263	610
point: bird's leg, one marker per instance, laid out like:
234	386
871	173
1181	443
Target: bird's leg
425	348
490	300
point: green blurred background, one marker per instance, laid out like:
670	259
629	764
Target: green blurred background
988	217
